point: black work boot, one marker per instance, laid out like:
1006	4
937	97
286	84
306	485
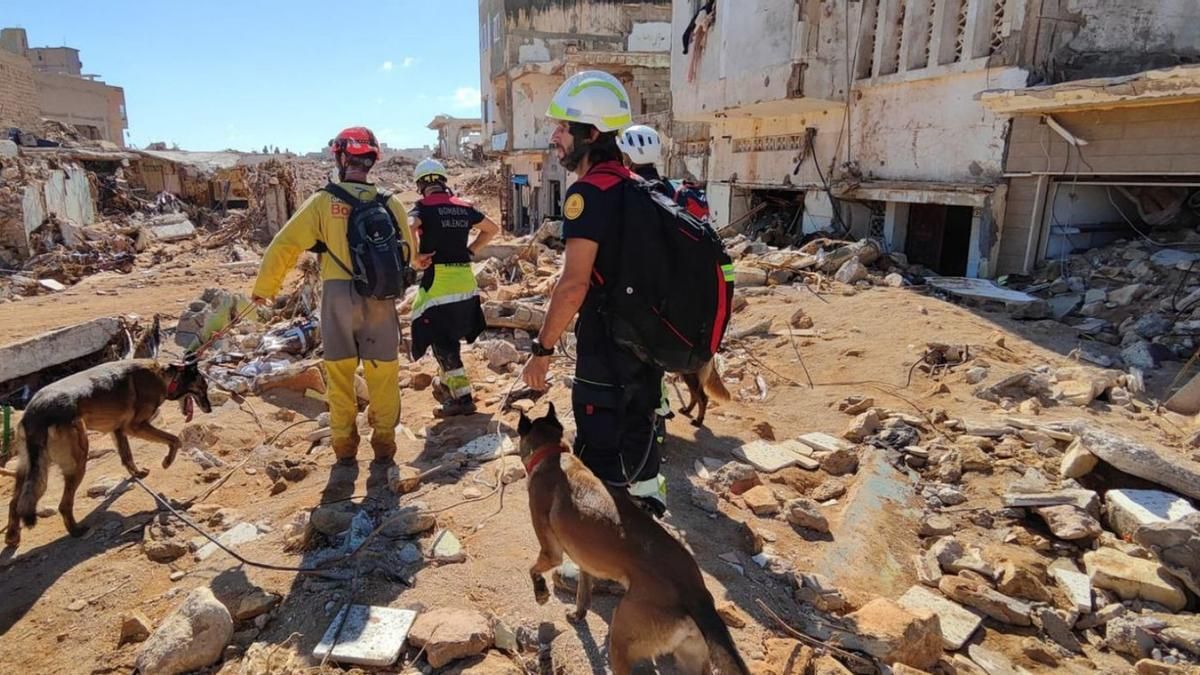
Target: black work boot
463	405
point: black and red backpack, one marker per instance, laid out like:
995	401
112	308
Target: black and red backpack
671	298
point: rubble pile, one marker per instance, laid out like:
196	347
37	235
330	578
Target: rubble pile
1142	298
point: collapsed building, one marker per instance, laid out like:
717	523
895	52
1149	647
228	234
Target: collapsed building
527	49
871	118
458	138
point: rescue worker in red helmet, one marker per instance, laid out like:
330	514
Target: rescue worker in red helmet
447	309
354	329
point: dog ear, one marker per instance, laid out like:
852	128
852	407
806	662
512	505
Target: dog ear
551	414
524	426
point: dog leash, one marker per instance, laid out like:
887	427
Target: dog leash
224	331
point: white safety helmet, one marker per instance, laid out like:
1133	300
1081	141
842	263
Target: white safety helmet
641	143
592	97
428	168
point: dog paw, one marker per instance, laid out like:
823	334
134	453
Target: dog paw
167	461
574	616
697	423
142	473
12	541
79	531
541	593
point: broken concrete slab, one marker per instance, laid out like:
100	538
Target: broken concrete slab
489	447
1132	578
1076	585
958	622
242	533
993	662
991	603
1177	544
1169	469
57	347
894	634
1077	461
1130	510
1082	499
822	442
883	498
771	457
979	289
366	636
1069	522
169	231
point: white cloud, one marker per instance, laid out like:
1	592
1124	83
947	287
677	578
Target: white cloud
465	98
386	66
408	62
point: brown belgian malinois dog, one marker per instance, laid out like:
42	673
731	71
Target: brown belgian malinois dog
666	609
120	397
702	386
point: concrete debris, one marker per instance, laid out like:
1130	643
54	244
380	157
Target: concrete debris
1077	587
255	603
135	627
863	426
192	637
805	513
1128	635
446	548
1176	542
367	636
987	601
957	623
448	635
761	500
1170	470
1132	578
894	634
1128	511
771	457
1069	522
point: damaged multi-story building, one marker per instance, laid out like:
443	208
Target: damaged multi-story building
954	130
527	49
49	83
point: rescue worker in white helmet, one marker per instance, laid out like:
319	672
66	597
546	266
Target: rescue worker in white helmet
447	308
642	148
615	394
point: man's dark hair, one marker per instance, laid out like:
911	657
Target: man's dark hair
364	162
603	149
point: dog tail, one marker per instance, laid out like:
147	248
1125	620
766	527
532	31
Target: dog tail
714	386
723	654
34	465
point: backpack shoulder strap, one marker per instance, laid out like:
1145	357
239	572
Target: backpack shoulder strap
340	193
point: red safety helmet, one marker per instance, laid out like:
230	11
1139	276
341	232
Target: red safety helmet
355	141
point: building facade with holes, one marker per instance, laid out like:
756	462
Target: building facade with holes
869	115
527	49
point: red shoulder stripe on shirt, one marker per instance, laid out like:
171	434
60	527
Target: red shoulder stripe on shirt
606	175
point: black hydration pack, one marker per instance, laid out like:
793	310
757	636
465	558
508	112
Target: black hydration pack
379	257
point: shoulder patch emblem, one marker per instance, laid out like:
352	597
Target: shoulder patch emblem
574	206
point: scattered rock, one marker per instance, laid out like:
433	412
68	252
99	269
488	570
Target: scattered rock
1021	582
1177	545
1056	627
447	635
1129	511
1076	586
732	616
800	319
333	519
825	664
950	496
1069	522
851	272
936	525
991	603
1102	617
894	280
1077	461
761	500
403	479
855	405
840	462
862	427
107	487
491	663
1173	471
255	603
750	540
764	430
422	381
135	627
1152	667
509	469
734	478
705	499
408	521
160	543
785	657
446	548
805	513
893	634
992	662
830	489
1183	638
958	623
1126	635
190	638
1132	578
929	572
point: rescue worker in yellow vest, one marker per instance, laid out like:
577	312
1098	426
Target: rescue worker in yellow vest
447	309
354	329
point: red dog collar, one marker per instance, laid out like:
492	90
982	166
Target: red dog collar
541	454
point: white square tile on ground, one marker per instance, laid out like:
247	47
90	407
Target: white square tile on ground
371	636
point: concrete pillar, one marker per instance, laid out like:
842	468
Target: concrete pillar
895	225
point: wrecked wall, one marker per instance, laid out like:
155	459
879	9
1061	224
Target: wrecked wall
531	94
34	192
1078	39
18	93
83	103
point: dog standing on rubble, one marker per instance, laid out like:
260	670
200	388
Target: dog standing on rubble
702	386
666	609
120	397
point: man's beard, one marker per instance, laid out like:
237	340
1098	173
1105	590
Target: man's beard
570	160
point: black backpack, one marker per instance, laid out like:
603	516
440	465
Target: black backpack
672	296
379	256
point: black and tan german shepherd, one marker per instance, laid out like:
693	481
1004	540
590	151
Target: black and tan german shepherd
666	608
121	398
702	386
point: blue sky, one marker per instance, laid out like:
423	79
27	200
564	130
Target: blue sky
218	74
